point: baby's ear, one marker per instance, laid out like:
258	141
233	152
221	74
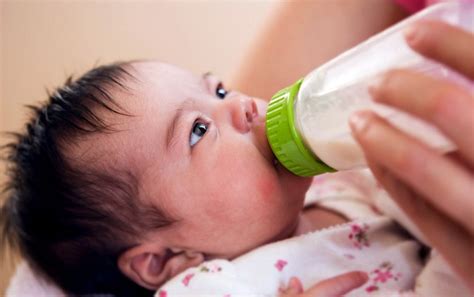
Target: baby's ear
151	266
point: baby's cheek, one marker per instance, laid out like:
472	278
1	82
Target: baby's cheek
268	189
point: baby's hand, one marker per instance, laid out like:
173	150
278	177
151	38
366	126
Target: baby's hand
334	287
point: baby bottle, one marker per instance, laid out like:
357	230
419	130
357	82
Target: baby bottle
307	123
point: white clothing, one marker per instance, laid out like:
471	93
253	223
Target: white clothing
372	241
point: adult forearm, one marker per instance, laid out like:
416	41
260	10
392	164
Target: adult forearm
300	35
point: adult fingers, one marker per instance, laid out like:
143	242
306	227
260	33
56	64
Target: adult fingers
445	184
338	286
448	106
442	42
452	241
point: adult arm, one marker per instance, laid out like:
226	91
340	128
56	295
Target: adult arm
300	35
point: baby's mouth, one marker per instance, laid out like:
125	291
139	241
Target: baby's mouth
264	147
275	161
260	134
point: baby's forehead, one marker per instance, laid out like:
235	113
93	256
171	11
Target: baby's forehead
151	94
163	74
160	83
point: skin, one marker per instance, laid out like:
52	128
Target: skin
435	190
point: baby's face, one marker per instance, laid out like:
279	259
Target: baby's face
204	160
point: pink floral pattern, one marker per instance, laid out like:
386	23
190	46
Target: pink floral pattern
187	278
381	275
280	264
209	268
358	235
163	293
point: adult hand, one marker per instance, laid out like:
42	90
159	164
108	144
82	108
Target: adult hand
436	191
333	287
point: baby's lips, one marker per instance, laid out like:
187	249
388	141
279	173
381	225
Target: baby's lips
259	132
261	109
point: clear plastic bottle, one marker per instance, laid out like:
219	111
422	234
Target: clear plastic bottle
307	123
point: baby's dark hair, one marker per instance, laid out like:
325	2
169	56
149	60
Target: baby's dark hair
72	222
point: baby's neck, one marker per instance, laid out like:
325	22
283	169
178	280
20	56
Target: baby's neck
316	218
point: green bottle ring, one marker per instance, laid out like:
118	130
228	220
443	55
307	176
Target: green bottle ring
285	141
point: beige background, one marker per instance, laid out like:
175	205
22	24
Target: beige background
42	42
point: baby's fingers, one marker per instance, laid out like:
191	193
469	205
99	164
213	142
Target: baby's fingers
337	286
444	43
294	288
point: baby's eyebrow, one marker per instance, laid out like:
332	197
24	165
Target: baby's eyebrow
171	134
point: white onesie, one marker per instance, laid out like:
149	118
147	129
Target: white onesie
372	242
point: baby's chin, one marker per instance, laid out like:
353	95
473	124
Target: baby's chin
294	186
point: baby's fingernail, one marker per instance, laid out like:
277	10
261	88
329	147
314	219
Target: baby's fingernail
363	276
359	120
295	286
294	282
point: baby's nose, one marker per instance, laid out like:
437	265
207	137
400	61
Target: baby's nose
244	112
250	108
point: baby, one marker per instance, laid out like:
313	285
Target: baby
139	172
142	169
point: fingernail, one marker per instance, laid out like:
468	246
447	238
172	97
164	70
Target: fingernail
374	86
359	120
363	275
291	289
295	285
412	33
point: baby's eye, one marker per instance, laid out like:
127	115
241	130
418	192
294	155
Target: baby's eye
198	131
221	92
